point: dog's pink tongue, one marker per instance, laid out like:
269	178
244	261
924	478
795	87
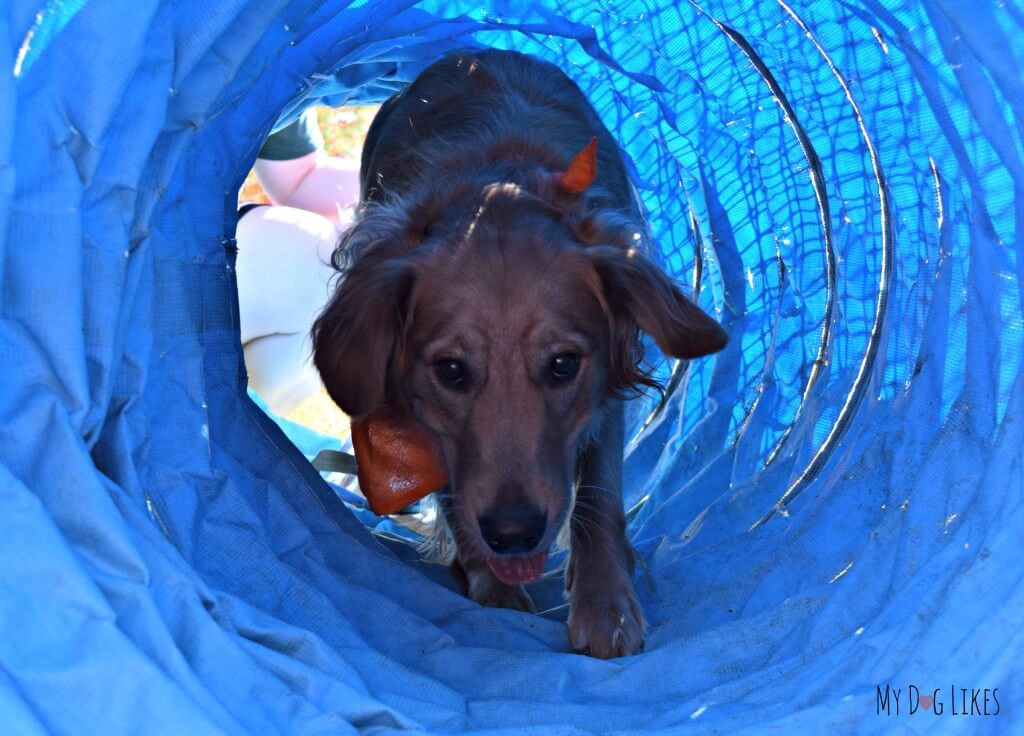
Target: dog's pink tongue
518	569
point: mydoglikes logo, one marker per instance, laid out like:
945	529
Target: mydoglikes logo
950	701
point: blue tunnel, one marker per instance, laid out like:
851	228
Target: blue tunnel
828	513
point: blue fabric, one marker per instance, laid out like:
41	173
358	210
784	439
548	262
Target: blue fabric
833	504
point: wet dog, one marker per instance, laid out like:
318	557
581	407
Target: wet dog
494	292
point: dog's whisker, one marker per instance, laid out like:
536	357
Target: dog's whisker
585	526
592	487
595	511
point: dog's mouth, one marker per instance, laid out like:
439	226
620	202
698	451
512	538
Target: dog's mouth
518	569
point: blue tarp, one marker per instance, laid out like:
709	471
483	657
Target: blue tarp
833	504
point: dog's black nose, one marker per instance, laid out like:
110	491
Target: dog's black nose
513	530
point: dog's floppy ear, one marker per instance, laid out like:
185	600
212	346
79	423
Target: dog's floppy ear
636	292
355	337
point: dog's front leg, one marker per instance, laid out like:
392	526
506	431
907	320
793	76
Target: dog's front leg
481	585
477	580
605	619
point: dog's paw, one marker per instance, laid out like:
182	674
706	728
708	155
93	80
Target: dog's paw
487	590
606	621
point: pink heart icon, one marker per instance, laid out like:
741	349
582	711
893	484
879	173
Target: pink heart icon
926	702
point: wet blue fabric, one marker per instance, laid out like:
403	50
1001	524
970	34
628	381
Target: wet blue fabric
831	506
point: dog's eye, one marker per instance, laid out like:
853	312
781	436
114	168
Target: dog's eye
451	372
564	366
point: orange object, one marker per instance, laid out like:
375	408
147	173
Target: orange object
399	461
582	170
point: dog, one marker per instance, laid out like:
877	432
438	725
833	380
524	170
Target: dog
494	291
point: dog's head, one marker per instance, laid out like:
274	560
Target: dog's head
503	321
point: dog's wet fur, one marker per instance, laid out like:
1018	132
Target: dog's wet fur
502	312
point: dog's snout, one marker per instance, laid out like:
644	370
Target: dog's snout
513	530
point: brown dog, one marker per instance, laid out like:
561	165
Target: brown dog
494	292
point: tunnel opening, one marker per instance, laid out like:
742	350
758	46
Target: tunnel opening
831	506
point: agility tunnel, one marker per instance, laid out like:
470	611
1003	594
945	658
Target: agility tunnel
829	508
